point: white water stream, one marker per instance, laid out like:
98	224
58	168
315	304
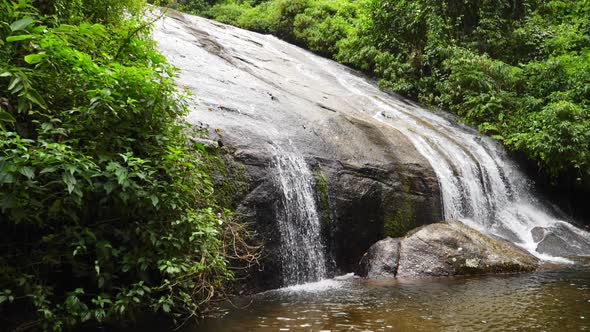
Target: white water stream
479	184
302	252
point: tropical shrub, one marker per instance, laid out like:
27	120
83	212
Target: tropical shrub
106	210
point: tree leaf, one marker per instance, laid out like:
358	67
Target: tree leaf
6	117
35	58
14	82
36	98
70	181
155	200
27	171
18	38
21	24
48	170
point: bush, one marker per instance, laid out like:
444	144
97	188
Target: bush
106	208
96	11
558	136
189	6
317	25
228	13
322	25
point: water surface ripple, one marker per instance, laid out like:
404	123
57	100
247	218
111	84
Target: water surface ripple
544	301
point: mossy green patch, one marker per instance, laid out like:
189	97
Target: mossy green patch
321	186
401	218
230	183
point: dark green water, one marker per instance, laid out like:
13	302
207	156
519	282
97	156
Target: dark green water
557	300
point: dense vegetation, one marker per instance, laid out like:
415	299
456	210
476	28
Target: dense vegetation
517	69
106	210
106	207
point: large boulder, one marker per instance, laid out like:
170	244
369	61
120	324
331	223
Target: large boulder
447	249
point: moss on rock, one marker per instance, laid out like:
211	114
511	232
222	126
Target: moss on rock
230	183
400	220
321	185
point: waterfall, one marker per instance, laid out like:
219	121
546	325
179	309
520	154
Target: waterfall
302	251
479	184
274	91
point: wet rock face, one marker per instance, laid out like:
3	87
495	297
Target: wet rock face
448	249
255	95
559	241
355	204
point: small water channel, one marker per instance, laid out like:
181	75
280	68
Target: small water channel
553	300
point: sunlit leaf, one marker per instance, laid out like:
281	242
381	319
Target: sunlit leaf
35	58
12	39
21	24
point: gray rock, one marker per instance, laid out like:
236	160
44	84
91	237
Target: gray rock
255	93
381	260
447	249
559	241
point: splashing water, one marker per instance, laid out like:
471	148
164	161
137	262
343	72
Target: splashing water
302	250
480	185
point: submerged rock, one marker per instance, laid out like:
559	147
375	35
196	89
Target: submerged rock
447	249
559	240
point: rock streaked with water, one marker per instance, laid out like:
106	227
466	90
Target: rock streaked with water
380	156
254	92
559	240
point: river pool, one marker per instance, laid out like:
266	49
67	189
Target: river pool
553	300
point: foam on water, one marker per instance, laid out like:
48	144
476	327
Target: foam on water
319	286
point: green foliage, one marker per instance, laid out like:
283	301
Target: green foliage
316	24
504	66
229	13
323	24
558	135
106	208
95	11
322	194
189	6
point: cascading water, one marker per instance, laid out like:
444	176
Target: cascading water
265	83
480	186
302	251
